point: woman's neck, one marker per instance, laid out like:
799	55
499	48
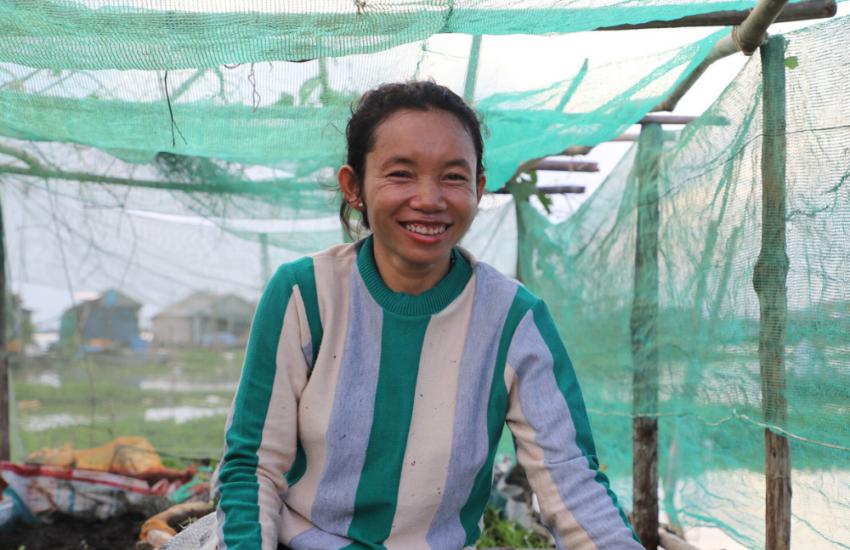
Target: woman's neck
402	276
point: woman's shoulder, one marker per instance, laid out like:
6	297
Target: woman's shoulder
326	263
496	284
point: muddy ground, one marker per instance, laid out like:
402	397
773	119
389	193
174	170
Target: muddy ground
67	533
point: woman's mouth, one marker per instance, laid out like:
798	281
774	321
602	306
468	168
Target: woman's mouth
422	229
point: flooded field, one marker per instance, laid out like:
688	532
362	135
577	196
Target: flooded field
178	400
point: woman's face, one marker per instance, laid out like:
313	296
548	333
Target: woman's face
420	189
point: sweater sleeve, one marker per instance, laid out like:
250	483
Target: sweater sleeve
261	440
547	417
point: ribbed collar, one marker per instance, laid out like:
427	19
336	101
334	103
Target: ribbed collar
412	305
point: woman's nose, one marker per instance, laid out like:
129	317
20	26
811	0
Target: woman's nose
429	195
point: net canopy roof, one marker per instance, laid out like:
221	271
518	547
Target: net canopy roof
182	34
167	147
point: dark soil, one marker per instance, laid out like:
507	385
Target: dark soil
68	533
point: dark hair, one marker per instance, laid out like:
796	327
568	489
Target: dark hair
375	106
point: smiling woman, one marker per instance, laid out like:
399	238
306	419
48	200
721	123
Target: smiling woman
418	187
379	375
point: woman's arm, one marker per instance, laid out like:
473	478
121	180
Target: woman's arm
547	416
261	434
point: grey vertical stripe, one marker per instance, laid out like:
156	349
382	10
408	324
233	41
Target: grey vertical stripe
547	412
308	353
219	529
351	416
316	539
559	544
470	445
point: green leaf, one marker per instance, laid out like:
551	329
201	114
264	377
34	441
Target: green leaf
308	88
286	100
791	62
524	189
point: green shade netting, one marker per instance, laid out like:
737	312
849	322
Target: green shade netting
102	189
158	246
180	34
292	116
709	237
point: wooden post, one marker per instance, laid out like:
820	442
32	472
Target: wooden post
769	282
265	261
5	431
644	336
472	69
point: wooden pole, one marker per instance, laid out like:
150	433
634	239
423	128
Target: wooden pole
799	11
769	281
472	69
557	165
644	336
5	432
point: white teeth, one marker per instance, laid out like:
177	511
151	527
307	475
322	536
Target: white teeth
425	230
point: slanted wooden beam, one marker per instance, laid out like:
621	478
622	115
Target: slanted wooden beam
644	340
745	39
800	11
769	282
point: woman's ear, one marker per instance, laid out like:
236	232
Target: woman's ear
482	184
350	187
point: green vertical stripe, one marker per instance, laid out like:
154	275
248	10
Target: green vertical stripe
497	409
377	493
238	476
305	276
568	385
299	465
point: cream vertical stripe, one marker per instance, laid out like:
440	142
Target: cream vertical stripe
277	452
332	271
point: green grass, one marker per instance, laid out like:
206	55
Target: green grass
501	532
105	398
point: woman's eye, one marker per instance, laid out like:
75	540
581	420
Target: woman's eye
456	177
399	174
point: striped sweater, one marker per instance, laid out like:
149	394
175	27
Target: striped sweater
369	419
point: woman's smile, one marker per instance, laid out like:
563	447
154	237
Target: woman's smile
425	229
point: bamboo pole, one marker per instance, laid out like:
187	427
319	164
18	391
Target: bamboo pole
745	39
799	11
5	431
769	281
472	69
644	341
